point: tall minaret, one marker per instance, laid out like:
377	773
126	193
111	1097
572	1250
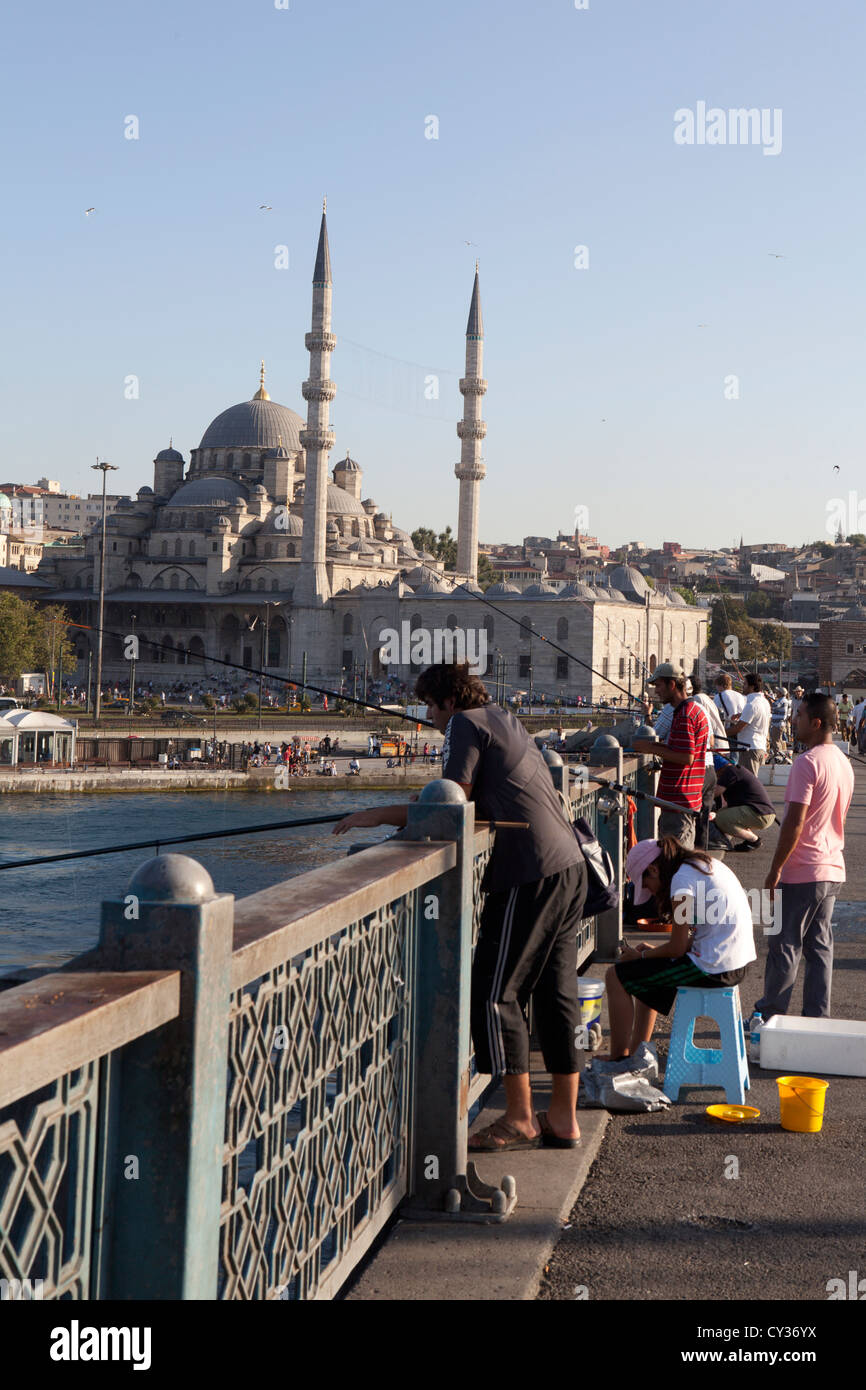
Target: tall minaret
318	437
471	430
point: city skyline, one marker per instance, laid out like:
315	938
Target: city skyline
627	277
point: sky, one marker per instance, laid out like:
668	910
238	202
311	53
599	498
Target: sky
694	374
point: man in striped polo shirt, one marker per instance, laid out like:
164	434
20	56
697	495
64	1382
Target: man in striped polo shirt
683	756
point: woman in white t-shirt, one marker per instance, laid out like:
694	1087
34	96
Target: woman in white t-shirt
710	944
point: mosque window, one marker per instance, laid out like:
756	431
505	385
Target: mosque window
451	622
177	547
199	521
622	668
190	584
348	625
192	547
245	461
114	545
488	628
260	584
213	545
290	551
246	584
562	668
269	550
275	584
157	583
561	629
164	548
230	461
525	629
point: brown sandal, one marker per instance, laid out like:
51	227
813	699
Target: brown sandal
505	1131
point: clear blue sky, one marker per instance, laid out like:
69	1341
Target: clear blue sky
555	130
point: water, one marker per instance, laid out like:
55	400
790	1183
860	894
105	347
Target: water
51	913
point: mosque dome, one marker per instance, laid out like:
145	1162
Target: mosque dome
370	506
503	590
343	502
168	456
255	424
362	548
539	591
468	590
281	523
610	595
577	589
629	581
145	491
209	491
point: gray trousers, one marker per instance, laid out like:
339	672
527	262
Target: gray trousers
680	824
807	930
752	759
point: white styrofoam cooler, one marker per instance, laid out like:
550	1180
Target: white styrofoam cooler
814	1046
774	774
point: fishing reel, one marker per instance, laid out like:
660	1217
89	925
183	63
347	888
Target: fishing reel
610	803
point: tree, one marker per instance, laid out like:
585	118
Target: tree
486	573
856	539
32	638
687	594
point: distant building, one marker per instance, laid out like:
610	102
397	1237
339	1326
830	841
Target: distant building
842	652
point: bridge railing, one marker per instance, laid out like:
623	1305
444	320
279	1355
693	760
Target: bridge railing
230	1100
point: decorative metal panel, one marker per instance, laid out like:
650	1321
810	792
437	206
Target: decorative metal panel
318	1108
48	1153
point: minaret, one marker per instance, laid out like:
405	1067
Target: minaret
471	430
318	437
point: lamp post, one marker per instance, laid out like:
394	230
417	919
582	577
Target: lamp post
104	469
131	705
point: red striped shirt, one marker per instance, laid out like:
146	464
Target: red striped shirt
689	734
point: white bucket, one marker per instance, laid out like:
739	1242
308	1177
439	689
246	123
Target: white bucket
590	993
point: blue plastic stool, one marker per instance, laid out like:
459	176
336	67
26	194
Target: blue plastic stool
689	1065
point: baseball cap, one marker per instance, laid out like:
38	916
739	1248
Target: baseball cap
667	671
639	857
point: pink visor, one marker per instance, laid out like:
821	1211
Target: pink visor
637	860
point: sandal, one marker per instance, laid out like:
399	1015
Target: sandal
550	1140
504	1131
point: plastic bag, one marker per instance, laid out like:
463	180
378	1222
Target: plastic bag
623	1086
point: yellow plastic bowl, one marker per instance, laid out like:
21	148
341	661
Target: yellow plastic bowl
734	1114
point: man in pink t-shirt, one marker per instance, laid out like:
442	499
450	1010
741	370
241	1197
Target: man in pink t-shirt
809	864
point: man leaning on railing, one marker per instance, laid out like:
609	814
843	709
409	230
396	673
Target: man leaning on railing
536	888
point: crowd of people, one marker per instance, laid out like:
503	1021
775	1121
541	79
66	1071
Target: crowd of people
711	749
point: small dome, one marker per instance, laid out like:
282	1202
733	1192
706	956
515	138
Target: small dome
381	516
630	582
145	491
209	491
280	522
608	595
342	502
577	589
369	505
430	587
221	523
348	465
281	452
168	456
332	529
539	591
258	490
502	590
362	548
468	590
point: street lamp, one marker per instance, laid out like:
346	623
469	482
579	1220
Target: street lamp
131	706
104	469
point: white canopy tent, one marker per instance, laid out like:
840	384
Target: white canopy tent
31	736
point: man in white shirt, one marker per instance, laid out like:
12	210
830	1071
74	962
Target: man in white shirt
729	703
753	725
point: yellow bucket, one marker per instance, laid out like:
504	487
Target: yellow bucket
801	1099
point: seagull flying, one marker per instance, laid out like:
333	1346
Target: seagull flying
265	207
470	243
703	325
777	255
88	211
835	468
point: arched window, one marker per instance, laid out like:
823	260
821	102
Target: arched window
451	622
199	521
290	550
157	583
275	584
192	547
245	461
246	585
269	550
260	584
191	584
356	529
77	584
684	634
561	629
164	548
525	629
178	546
488	628
348	625
230	460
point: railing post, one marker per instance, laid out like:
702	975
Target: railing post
162	1229
442	1184
647	814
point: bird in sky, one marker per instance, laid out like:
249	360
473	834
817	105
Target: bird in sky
703	325
470	243
777	255
265	207
88	211
835	468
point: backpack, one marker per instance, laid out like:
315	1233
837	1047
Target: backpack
601	891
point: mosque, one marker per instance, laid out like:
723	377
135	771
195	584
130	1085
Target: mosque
260	552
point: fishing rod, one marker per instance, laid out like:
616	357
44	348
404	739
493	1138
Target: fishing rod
219	835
